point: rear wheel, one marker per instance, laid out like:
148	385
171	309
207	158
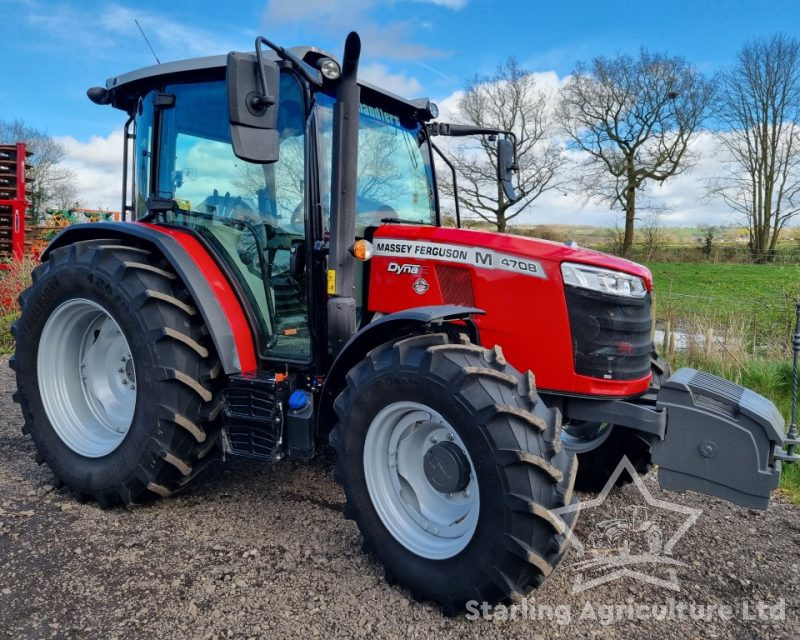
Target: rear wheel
452	468
115	374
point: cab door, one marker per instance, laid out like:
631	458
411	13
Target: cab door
250	214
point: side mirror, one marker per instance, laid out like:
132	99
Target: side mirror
505	166
253	98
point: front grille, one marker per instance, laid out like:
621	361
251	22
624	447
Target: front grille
611	335
456	285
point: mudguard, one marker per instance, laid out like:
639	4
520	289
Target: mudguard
376	333
721	439
210	290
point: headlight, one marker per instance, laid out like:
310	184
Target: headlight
603	280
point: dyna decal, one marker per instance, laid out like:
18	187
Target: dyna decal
413	269
474	256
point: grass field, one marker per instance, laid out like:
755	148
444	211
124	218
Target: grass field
755	300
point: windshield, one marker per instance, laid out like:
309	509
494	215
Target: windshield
394	171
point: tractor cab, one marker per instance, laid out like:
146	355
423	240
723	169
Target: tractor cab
270	221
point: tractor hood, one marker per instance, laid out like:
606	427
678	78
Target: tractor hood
549	254
577	340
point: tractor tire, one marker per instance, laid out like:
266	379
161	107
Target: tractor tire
117	378
596	466
477	523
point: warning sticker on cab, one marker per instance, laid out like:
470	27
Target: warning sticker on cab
331	282
479	257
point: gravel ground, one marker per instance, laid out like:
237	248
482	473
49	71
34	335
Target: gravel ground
253	551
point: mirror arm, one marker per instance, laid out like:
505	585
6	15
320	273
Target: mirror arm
461	130
314	77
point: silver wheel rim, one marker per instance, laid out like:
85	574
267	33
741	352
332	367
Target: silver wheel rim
86	376
429	523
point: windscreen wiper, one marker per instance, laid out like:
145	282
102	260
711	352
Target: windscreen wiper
400	221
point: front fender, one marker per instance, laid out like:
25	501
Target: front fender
388	327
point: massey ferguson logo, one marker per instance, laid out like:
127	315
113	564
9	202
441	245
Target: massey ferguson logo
411	269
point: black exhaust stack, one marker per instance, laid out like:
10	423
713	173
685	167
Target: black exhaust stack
344	170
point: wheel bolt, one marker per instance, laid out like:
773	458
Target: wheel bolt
122	359
466	493
121	370
434	439
450	437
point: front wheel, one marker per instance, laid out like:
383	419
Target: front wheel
452	468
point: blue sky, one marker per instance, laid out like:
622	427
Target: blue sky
53	51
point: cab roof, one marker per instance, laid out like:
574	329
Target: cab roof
126	88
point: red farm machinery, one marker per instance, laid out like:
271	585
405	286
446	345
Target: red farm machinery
282	281
13	200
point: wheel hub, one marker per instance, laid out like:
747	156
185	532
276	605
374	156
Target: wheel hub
420	480
446	467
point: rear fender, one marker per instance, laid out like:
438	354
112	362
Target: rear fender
212	293
378	332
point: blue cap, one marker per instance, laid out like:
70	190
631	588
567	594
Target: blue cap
298	400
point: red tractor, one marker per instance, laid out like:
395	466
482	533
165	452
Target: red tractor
284	281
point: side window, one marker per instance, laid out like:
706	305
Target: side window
144	140
205	175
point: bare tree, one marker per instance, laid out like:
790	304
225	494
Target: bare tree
64	195
759	102
653	236
48	181
510	100
633	120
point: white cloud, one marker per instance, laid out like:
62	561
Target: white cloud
398	83
391	40
335	14
98	167
169	38
113	28
97	164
